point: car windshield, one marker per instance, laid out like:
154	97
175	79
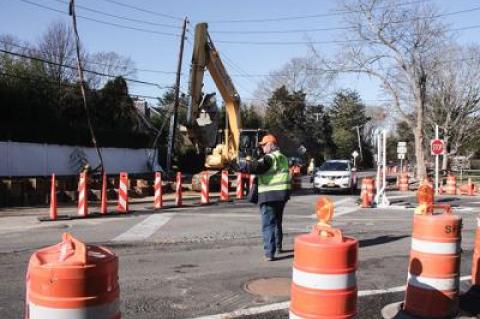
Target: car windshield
334	166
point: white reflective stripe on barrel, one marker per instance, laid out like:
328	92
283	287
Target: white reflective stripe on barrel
431	247
106	311
433	283
294	316
323	281
122	202
123	187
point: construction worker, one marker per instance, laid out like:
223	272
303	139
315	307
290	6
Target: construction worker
273	192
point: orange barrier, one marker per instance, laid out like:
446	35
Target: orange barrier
224	194
367	192
323	279
425	197
158	192
468	189
205	191
83	195
476	257
53	199
123	193
451	186
178	190
434	266
403	184
239	192
72	280
103	205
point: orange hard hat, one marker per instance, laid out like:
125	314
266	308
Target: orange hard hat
269	138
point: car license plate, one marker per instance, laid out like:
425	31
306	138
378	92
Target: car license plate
331	183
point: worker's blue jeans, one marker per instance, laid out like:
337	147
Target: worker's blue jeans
272	216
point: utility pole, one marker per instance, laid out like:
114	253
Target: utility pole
173	119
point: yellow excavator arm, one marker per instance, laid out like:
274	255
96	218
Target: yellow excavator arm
202	116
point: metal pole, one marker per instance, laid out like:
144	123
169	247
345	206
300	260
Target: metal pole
384	180
379	153
436	163
359	142
173	119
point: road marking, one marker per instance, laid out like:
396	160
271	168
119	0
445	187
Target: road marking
284	305
145	228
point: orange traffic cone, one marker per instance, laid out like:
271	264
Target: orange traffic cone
53	199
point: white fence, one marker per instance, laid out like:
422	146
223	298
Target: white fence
29	159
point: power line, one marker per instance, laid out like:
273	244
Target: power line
286	31
311	16
123	17
91	62
324	42
88	71
103	22
144	10
29	78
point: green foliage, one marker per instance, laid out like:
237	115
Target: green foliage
347	112
295	123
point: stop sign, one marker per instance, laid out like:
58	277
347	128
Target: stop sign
437	147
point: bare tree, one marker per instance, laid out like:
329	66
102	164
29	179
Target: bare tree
298	74
57	45
398	45
110	63
455	99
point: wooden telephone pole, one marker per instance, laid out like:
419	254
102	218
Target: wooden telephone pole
173	119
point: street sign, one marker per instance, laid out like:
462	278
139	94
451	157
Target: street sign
401	156
355	154
437	147
402	148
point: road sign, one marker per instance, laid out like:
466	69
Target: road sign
402	148
355	154
437	147
401	156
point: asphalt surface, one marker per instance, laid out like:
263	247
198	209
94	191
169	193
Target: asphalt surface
196	261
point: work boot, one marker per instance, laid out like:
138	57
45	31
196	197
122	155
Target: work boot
268	258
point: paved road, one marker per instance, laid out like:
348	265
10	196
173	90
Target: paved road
196	261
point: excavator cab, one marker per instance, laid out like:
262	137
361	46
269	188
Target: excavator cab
249	139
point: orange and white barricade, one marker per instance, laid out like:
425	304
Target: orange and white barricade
204	191
451	186
476	257
251	181
158	191
434	266
468	189
103	205
123	193
239	192
224	194
367	192
72	280
53	199
83	195
323	280
178	190
403	184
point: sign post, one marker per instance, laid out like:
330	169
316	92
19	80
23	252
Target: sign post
355	155
437	148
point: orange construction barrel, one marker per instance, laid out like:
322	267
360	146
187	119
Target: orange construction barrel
72	280
403	184
434	266
451	187
476	257
323	280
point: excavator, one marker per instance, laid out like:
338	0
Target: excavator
225	145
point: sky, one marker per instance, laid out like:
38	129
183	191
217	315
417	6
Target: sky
155	47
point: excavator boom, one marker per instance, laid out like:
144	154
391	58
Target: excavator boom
202	116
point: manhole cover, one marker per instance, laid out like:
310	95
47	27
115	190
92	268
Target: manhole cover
269	287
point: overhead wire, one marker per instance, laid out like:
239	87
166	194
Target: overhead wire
104	22
87	71
144	10
171	26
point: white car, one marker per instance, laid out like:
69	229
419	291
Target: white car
334	175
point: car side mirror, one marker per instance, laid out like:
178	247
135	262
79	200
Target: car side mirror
354	169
